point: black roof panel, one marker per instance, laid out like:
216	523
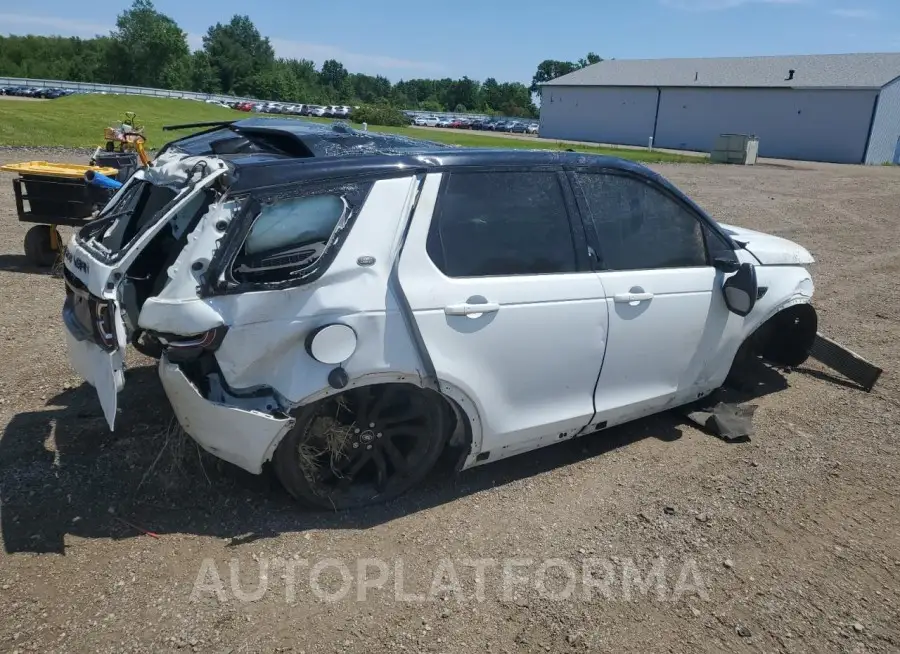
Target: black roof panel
261	174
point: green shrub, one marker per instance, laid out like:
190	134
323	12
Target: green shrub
379	115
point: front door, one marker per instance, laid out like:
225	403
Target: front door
496	273
667	318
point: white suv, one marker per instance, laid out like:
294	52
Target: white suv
348	305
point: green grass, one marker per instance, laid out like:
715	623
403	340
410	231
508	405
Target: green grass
78	121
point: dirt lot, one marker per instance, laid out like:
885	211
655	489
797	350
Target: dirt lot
788	543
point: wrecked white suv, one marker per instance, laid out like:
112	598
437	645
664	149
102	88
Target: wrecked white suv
349	305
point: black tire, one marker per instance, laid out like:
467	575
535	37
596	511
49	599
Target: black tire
790	337
38	246
335	459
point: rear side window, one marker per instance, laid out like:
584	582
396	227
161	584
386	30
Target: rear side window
502	223
293	232
638	226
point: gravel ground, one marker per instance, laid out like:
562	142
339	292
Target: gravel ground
790	542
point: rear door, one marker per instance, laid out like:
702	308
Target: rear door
496	273
667	317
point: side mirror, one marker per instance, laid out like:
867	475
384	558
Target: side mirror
740	290
726	265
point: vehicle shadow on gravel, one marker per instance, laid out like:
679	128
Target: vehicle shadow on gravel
62	472
19	263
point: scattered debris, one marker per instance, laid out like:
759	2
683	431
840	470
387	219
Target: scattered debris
669	510
857	627
728	563
730	421
846	362
743	631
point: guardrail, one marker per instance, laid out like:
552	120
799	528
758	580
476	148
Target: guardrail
92	87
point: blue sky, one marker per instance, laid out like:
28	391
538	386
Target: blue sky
502	38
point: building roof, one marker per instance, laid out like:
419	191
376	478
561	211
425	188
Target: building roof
810	71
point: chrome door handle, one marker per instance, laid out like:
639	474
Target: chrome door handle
632	297
466	309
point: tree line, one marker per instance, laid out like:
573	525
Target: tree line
148	48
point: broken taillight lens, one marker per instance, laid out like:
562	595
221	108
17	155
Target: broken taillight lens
103	323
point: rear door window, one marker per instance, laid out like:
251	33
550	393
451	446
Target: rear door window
502	223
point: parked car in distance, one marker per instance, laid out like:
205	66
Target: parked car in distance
353	352
444	121
426	121
532	128
478	124
516	126
315	110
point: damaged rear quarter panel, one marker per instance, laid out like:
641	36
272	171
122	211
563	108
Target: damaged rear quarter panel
178	309
265	345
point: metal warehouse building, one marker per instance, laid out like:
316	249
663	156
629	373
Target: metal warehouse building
838	108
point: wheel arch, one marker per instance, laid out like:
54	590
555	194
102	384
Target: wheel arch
785	338
466	434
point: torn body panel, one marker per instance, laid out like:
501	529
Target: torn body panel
243	437
105	371
177	308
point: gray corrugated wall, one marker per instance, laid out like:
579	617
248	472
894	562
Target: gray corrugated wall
599	114
815	125
812	125
883	143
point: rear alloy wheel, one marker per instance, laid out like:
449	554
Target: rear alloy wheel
363	446
39	246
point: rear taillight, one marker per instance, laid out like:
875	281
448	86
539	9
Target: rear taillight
103	323
93	314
